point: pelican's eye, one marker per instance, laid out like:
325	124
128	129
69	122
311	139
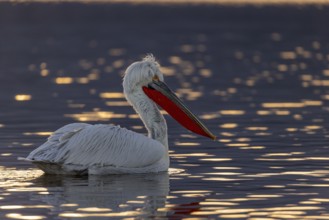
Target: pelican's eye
155	78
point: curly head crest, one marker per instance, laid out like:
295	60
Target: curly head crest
149	57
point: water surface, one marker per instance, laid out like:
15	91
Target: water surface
258	77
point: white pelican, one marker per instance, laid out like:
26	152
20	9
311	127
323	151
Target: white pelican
100	149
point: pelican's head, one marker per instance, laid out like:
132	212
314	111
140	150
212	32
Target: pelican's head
145	77
141	73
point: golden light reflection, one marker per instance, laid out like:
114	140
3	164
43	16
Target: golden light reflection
298	117
187	144
64	80
44	72
313	102
40	133
277	155
95	116
325	72
306	77
7	207
320	200
227	134
190	191
225	140
317	158
117	103
281	159
69	205
264	196
257	128
43	65
24	217
175	60
232	112
135	201
209	202
263	112
216	159
209	116
274	186
282	112
234	216
253	148
27	189
234	211
205	72
229	125
274	36
94	75
200	213
283	67
319	82
292	208
283	105
23	97
133	116
243	139
189	94
302	104
186	48
288	55
250	82
226	168
82	80
167	71
238	145
137	127
309	202
181	156
223	173
312	127
117	52
86	215
118	64
112	95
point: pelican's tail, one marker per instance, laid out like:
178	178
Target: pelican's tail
24	159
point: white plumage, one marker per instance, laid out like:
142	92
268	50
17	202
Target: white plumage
97	149
81	148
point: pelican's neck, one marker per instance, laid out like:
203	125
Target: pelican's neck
151	116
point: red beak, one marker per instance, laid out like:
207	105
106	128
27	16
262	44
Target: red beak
160	93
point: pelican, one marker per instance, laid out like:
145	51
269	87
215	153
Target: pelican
82	149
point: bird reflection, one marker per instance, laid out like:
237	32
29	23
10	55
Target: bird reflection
141	194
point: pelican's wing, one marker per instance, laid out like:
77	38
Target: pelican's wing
48	151
102	145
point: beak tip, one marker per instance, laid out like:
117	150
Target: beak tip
213	137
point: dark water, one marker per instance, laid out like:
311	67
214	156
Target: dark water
258	77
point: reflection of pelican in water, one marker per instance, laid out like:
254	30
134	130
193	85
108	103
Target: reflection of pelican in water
104	149
105	196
